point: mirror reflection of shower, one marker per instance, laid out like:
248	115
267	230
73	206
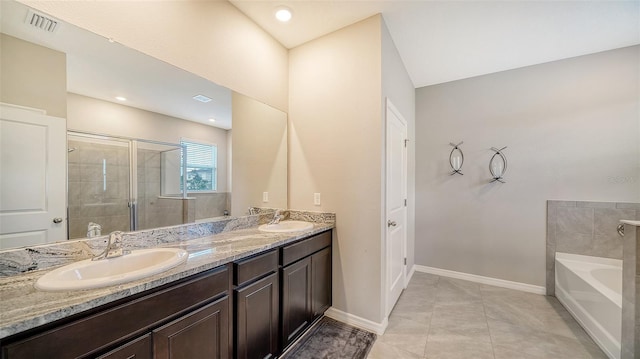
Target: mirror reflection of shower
122	184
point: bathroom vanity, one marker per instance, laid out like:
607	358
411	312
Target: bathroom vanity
243	304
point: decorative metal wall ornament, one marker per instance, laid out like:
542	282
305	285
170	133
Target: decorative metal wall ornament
498	165
456	159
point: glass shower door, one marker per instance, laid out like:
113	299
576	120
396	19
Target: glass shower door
98	184
159	199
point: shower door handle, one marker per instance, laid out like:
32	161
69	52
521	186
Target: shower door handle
133	215
57	220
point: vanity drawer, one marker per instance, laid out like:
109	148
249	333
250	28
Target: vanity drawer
306	247
99	331
252	268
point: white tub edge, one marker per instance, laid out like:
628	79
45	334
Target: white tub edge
599	262
590	259
610	346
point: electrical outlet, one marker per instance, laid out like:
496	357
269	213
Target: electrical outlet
316	199
265	197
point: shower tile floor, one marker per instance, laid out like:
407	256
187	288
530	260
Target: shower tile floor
438	317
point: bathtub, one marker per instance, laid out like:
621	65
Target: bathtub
591	290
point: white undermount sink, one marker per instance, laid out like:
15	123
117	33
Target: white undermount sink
88	274
286	226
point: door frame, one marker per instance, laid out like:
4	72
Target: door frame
385	215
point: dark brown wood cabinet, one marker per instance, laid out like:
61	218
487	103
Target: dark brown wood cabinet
321	282
139	348
116	327
203	333
257	306
257	309
250	309
296	300
306	284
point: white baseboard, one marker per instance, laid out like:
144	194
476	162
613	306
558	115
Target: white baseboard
483	280
410	275
356	321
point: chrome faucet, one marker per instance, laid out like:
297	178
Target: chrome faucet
277	217
93	230
114	247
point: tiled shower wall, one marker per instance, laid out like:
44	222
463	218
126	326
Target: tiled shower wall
154	210
98	184
210	205
587	228
99	191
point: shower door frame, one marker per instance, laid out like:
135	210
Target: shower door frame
132	203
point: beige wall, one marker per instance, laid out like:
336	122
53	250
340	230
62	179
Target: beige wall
573	133
88	114
211	39
335	125
398	87
259	157
33	76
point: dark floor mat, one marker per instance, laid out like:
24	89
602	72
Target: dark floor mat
331	339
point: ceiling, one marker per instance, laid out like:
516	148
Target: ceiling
442	41
102	69
439	41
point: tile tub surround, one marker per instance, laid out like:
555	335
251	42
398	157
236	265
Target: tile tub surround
23	307
631	291
22	260
210	205
586	228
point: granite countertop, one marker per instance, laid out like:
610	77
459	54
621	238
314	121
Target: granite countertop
22	307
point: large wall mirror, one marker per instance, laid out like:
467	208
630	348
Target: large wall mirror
122	160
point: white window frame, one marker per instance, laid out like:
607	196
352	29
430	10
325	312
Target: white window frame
206	143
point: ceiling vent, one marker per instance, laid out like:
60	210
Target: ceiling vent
42	22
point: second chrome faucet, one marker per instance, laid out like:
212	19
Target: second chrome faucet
114	247
277	217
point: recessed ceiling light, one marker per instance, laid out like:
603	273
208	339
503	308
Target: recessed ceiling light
120	98
283	14
212	120
201	98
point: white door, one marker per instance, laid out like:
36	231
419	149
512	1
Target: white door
33	154
396	206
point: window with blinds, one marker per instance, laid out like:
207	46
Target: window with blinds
202	161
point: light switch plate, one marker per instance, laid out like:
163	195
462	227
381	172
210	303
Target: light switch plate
265	197
316	199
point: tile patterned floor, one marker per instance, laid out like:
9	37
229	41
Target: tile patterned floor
444	318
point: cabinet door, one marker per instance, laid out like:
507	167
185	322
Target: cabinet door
257	319
135	349
321	282
203	333
296	299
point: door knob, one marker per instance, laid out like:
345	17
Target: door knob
57	220
391	223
